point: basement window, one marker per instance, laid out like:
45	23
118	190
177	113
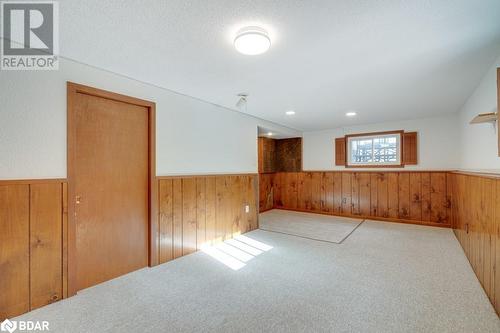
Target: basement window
374	149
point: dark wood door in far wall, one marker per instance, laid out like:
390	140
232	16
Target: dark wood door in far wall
111	188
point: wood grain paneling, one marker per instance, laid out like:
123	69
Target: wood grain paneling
382	184
237	225
439	203
266	191
391	196
289	155
267	155
416	196
189	216
475	206
14	250
346	193
404	195
250	199
65	230
316	194
290	189
45	244
374	194
337	193
304	190
222	188
364	182
327	194
426	196
211	212
177	217
165	193
33	244
279	155
200	210
496	239
355	194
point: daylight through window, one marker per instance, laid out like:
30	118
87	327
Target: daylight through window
383	149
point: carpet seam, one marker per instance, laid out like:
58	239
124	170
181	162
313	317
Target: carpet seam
315	239
352	231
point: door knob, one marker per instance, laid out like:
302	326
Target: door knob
78	199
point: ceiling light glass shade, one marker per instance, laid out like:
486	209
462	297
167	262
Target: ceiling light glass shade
252	41
350	114
290	113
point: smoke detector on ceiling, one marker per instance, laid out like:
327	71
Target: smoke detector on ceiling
242	101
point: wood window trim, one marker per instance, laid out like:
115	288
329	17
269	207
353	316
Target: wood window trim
340	154
72	90
410	148
401	160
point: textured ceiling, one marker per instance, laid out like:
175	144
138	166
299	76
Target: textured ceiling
386	59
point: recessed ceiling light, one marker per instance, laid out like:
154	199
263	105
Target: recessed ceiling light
290	113
252	41
270	134
351	114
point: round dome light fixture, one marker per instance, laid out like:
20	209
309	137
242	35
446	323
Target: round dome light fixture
252	41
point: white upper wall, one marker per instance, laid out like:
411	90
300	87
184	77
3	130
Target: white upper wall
193	137
437	143
479	148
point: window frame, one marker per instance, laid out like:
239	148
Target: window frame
371	135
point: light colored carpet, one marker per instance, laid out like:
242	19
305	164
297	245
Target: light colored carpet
385	277
325	228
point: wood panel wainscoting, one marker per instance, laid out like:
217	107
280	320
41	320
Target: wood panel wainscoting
199	210
467	202
266	191
194	210
400	196
279	155
33	244
476	223
267	154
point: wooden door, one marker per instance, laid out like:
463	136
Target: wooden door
110	180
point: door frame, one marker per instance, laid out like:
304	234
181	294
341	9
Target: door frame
72	90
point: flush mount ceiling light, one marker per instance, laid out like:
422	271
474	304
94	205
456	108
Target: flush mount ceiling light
252	41
351	114
270	134
290	113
